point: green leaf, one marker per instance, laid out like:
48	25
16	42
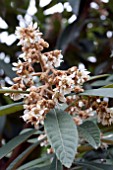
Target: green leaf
96	166
70	33
110	78
33	140
108	92
87	165
8	147
98	76
22	157
75	4
103	166
35	162
56	164
63	106
11	108
2	123
40	168
14	164
62	135
110	5
108	86
91	133
100	83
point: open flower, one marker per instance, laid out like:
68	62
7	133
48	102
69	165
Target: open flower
82	76
36	110
28	35
58	60
58	97
15	96
64	83
52	59
23	68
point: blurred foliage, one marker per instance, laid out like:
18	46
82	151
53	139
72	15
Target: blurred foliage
87	41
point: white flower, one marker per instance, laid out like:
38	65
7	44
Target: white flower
44	58
27	115
84	72
45	142
111	116
80	104
58	60
57	96
22	56
14	96
82	75
52	60
65	84
17	66
28	35
32	117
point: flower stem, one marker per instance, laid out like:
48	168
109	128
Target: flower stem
12	91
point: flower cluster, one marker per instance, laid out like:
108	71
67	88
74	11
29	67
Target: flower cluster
105	114
49	87
82	108
54	84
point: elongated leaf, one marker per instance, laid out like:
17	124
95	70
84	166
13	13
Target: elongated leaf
23	156
35	162
89	166
90	132
103	166
2	123
11	108
33	140
99	76
110	78
96	166
40	168
108	86
110	4
75	6
108	92
26	130
56	164
100	83
14	143
62	135
70	33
